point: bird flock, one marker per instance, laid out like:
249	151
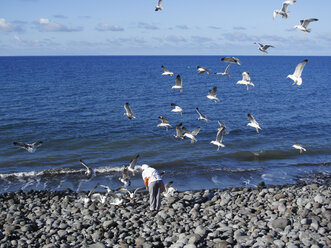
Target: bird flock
181	131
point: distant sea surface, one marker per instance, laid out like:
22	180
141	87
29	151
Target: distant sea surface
75	106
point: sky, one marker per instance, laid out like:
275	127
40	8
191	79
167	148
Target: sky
183	27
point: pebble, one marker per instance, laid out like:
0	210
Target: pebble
275	216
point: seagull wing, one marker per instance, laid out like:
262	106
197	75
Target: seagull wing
299	68
36	144
168	185
246	76
159	3
23	145
178	80
227	68
306	22
265	47
85	165
201	115
219	135
128	109
164	69
133	162
92	190
138	189
125	173
106	188
179	130
222	125
186	130
212	92
163	120
195	131
251	118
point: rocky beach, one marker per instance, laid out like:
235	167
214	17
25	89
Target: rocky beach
291	216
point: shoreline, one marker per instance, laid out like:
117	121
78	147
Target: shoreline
290	215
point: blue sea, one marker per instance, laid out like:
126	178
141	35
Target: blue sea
75	106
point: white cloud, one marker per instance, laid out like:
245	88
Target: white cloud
9	27
107	27
45	25
148	26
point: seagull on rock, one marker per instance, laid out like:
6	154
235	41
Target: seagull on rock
201	116
212	94
29	147
253	123
299	147
158	6
225	73
191	135
283	12
176	109
164	122
246	80
128	111
179	84
219	136
231	60
166	72
296	76
304	24
169	191
263	48
202	70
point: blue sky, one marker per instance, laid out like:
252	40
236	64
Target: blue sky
183	27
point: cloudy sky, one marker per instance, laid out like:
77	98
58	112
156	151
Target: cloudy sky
183	27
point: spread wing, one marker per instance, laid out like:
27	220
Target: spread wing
299	68
163	120
265	47
196	131
227	68
213	91
306	22
251	118
179	130
219	135
23	145
178	80
133	162
164	69
128	109
159	3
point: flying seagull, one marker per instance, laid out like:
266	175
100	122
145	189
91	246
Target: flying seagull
191	135
166	72
246	80
212	94
231	60
179	134
89	171
132	165
111	196
263	48
176	109
299	147
29	147
132	193
158	6
202	70
169	191
125	179
164	122
128	112
304	24
219	136
201	116
296	76
179	83
225	73
253	123
283	12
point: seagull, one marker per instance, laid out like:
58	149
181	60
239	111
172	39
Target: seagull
164	122
201	116
246	79
89	171
179	134
166	72
169	191
219	136
296	76
231	60
179	84
132	193
304	24
158	6
284	11
125	179
299	147
132	164
212	94
128	112
29	147
202	70
191	135
177	109
225	73
263	48
253	123
114	199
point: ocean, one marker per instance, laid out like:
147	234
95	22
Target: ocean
74	104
